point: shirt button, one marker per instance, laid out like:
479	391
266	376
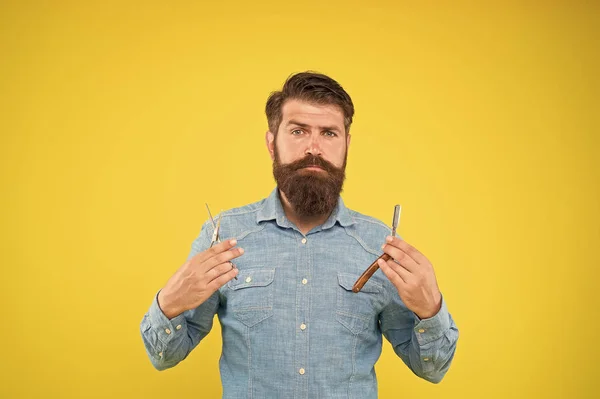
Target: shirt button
303	241
426	359
178	327
168	331
248	279
302	371
160	354
421	330
304	281
303	326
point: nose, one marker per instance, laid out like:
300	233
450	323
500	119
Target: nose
314	147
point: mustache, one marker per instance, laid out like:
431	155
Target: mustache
312	160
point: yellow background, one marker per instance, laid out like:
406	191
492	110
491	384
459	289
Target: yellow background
120	120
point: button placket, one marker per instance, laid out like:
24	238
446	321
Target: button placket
303	267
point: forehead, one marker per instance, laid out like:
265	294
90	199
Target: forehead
312	114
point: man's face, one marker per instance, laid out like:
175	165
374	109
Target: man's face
309	156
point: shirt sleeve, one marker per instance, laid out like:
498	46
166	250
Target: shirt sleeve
426	346
169	341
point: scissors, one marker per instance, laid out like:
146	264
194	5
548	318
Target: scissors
215	235
216	227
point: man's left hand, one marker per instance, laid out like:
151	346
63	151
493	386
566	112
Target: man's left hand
413	276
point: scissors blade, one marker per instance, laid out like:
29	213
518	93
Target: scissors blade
215	236
210	216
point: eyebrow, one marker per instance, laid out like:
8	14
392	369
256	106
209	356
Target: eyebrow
304	125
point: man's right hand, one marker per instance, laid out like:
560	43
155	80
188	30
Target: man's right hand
199	278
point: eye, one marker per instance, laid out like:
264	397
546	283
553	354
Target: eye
296	132
329	133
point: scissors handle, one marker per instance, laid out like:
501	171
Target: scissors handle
215	236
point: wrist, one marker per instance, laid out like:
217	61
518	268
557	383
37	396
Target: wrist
166	305
432	312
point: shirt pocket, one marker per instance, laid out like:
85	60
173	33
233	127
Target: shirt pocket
356	311
251	296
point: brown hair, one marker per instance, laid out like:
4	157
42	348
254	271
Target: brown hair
311	87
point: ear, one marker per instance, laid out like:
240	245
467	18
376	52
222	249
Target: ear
270	141
348	137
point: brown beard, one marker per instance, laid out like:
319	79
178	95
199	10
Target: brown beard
310	192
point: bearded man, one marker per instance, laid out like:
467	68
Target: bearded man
281	284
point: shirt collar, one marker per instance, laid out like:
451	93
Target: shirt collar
273	210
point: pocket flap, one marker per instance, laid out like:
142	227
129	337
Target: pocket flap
252	278
347	280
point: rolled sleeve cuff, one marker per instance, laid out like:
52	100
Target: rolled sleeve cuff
431	329
165	329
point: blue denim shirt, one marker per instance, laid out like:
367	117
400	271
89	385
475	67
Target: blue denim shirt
291	325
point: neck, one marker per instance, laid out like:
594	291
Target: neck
304	223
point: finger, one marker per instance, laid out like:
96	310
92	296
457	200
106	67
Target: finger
223	257
222	279
401	257
218	270
214	250
390	273
406	275
407	249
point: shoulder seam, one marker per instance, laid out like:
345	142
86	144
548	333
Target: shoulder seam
239	213
246	233
362	243
372	221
